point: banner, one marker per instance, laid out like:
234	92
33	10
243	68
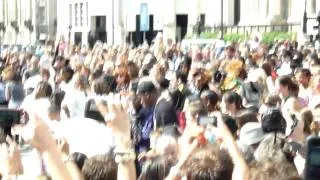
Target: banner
144	17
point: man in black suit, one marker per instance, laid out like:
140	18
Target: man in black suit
164	111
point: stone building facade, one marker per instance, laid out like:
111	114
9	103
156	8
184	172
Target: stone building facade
27	21
114	21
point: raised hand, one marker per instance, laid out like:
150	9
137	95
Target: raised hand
223	132
115	112
63	146
38	134
10	159
191	137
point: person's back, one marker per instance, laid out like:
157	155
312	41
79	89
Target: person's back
165	110
2	94
16	91
252	94
165	113
76	102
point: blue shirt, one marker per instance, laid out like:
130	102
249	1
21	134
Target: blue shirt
146	128
2	93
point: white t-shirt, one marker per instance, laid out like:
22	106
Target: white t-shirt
84	135
41	106
314	101
67	87
285	69
305	94
271	85
45	62
33	82
76	102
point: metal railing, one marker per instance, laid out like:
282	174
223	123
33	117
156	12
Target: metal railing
249	29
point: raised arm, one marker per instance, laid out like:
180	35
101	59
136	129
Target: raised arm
240	170
116	116
38	134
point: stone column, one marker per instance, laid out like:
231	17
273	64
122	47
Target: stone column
28	9
118	22
311	8
228	12
244	12
109	16
247	12
19	38
216	12
253	15
1	18
317	6
193	14
33	17
1	10
169	19
29	15
211	15
295	14
275	16
5	19
24	7
13	10
13	17
263	14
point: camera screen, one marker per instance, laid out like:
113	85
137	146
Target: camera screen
9	117
315	156
205	120
313	170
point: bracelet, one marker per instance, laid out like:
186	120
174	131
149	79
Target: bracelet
123	157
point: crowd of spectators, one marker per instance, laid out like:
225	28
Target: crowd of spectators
242	111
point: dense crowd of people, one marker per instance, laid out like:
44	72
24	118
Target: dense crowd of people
242	111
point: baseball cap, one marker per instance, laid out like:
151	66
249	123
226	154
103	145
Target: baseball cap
145	87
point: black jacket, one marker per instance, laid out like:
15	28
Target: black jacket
164	113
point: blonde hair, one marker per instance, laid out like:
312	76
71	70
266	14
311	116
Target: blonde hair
315	80
7	74
80	82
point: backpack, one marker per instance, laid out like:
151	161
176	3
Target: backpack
273	121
